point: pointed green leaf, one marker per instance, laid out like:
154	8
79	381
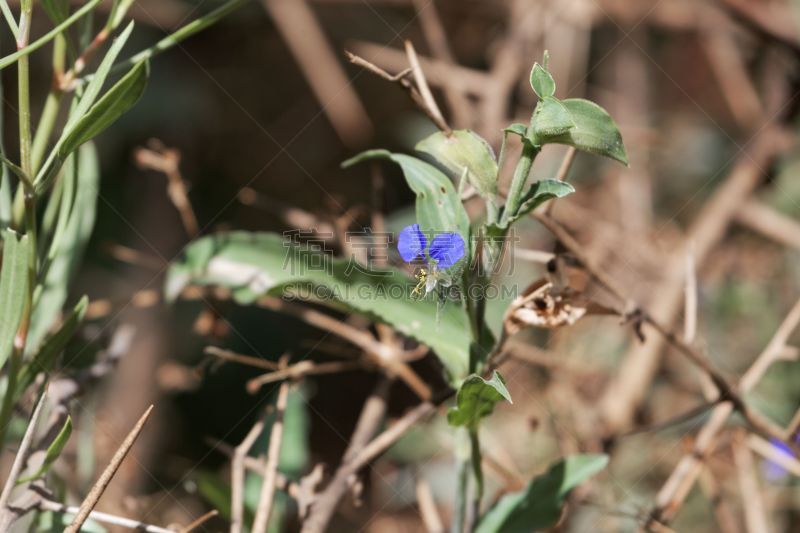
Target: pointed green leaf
550	118
45	358
76	219
53	451
464	149
13	289
113	104
542	82
540	192
594	131
476	399
439	207
257	264
517	129
57	10
539	505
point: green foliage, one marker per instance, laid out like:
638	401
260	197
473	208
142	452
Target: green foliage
538	193
76	217
14	279
53	451
256	264
476	399
113	104
550	118
49	36
439	207
57	10
464	149
45	358
542	81
517	129
594	131
538	506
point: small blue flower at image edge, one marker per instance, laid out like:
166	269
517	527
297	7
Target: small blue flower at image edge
774	471
446	250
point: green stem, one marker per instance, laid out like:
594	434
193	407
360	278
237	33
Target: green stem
52	106
477	471
523	168
460	514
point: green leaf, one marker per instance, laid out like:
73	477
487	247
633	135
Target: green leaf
517	129
550	118
113	104
57	10
77	126
476	399
45	358
594	131
256	264
540	192
439	207
539	505
53	451
464	149
74	228
13	289
542	82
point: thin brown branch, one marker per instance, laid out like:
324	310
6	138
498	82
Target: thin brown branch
300	370
754	512
199	521
303	35
433	29
425	90
770	223
387	357
238	475
369	420
19	459
227	355
105	478
270	473
683	477
427	507
129	523
167	161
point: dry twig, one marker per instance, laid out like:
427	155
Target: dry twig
105	478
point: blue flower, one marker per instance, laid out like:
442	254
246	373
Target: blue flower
445	251
446	248
773	470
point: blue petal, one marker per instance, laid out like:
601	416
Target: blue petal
411	243
447	249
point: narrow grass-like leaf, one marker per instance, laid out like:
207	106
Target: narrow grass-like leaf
72	233
119	99
439	207
182	34
49	36
476	399
53	451
13	289
464	149
57	10
79	112
45	358
257	264
594	131
539	505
